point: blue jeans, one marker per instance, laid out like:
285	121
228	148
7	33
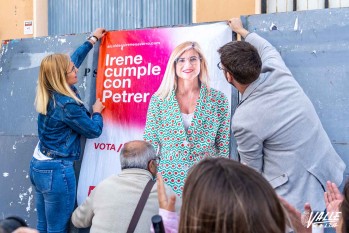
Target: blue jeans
55	185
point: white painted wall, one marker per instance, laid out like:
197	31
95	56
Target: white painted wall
287	5
338	3
279	6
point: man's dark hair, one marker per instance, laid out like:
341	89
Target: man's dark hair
241	60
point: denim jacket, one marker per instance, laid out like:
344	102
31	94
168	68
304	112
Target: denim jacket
66	120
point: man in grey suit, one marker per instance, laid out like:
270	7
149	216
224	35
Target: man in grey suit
110	206
277	130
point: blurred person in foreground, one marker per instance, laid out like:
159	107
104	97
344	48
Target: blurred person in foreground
15	224
222	195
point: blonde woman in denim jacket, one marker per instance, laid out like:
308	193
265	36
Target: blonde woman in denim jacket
62	120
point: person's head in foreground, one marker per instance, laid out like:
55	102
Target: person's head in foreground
222	195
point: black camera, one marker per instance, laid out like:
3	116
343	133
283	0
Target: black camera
11	223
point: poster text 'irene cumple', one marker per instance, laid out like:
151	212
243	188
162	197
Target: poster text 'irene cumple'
120	72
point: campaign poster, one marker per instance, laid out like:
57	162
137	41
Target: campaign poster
131	66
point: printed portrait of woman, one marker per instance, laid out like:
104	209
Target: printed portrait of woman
187	120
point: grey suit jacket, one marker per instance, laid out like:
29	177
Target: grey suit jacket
280	135
110	206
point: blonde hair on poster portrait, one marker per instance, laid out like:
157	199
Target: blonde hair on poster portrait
169	81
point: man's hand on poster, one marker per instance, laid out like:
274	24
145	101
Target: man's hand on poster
236	25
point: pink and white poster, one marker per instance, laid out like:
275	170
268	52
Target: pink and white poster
130	69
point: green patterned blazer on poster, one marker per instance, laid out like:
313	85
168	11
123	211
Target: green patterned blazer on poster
207	136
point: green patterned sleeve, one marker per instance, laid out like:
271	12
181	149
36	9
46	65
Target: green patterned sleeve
223	134
152	124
